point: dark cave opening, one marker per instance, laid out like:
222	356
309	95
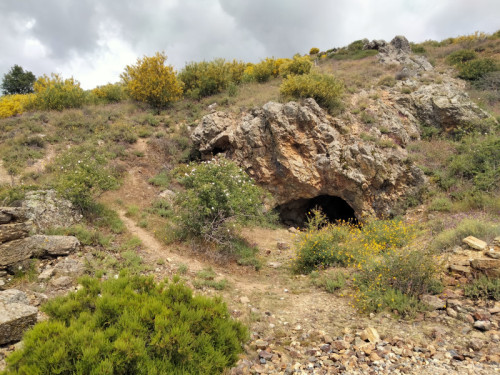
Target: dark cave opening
295	212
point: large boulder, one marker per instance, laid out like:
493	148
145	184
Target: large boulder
9	232
16	315
46	209
12	215
297	152
17	251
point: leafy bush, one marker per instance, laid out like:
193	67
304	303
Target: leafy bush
475	69
151	81
131	326
299	65
218	195
467	227
208	78
324	245
388	81
17	81
265	69
483	288
110	93
395	280
329	281
82	173
417	48
57	93
314	51
12	105
323	88
461	56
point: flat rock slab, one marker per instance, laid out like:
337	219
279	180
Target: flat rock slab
475	243
15	231
488	266
16	316
36	246
12	214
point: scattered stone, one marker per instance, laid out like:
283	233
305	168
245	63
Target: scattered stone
293	230
463	270
492	254
496	241
69	267
452	313
482	325
9	232
370	334
433	301
261	344
61	282
16	315
282	246
476	344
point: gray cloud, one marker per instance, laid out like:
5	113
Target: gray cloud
93	40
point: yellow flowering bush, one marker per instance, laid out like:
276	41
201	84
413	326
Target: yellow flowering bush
110	93
299	65
11	105
57	93
151	81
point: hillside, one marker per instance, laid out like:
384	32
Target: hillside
331	227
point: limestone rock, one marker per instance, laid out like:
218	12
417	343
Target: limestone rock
297	153
475	243
433	301
69	267
12	214
370	334
9	232
488	266
36	246
45	209
16	316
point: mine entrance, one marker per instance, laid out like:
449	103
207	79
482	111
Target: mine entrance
335	208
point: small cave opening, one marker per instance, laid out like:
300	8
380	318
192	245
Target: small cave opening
295	213
222	146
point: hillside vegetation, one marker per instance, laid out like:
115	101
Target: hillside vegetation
122	154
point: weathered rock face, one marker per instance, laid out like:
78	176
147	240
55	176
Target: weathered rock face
298	152
45	209
16	315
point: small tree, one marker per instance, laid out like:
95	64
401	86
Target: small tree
18	81
152	82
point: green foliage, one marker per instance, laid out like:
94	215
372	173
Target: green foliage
324	245
162	208
467	227
264	70
206	278
353	51
110	93
461	56
82	173
17	81
151	81
441	204
208	78
87	236
483	288
395	280
417	48
218	196
475	69
329	281
388	81
324	88
56	93
131	326
299	65
162	180
314	51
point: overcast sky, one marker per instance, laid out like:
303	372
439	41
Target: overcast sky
93	40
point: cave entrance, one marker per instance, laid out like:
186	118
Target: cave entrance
295	212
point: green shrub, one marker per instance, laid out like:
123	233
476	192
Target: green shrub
57	93
162	180
467	227
323	88
395	280
110	93
218	196
461	56
483	288
329	281
131	326
388	81
86	236
206	78
441	204
206	278
82	173
475	69
299	65
264	70
417	48
162	208
314	51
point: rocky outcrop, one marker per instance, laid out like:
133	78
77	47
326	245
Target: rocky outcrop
16	315
398	52
45	209
298	152
15	245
